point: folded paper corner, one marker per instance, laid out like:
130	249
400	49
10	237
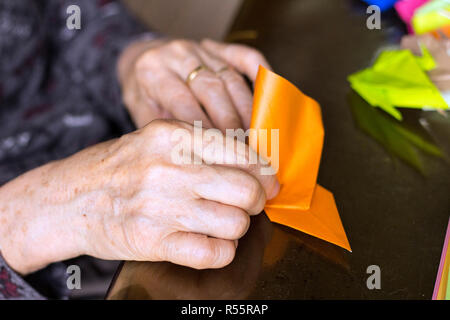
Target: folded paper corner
301	203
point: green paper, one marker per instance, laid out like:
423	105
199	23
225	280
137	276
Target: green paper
398	79
447	294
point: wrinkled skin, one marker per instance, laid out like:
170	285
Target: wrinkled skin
126	200
162	280
154	74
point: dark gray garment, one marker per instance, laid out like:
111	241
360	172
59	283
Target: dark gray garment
58	94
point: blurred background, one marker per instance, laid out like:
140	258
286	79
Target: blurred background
195	19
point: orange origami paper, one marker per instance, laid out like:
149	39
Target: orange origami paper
301	204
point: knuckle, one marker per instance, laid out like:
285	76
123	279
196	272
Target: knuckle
142	74
180	45
147	59
159	128
206	171
160	171
211	82
254	55
162	129
206	255
252	192
155	172
226	254
212	255
240	225
234	78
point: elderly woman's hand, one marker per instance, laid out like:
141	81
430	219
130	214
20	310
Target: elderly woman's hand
127	199
162	280
189	81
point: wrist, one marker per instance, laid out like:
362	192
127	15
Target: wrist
33	232
47	213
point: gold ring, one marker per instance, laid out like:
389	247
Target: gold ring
194	73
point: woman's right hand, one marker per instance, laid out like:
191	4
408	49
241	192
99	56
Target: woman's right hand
127	200
166	281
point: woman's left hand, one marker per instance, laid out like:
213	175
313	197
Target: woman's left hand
189	81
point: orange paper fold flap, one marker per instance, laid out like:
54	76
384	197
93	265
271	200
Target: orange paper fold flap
301	203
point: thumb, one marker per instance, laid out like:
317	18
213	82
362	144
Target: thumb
197	251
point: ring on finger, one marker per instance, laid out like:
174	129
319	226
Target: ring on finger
194	73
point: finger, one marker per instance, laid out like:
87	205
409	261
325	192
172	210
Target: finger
229	151
234	83
216	220
240	94
212	93
217	150
197	251
173	95
232	187
245	59
206	86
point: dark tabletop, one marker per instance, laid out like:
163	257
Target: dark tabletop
391	180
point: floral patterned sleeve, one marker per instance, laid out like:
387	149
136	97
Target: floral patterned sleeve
89	55
13	287
59	91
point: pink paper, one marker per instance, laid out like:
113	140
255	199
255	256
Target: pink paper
406	8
